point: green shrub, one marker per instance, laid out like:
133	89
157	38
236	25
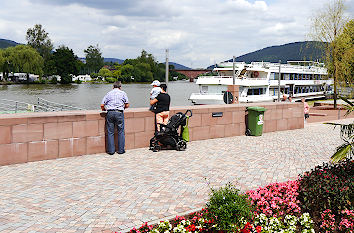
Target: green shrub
78	81
230	207
110	80
327	187
41	81
54	80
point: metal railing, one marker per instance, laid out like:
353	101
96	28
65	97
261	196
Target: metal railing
48	106
13	106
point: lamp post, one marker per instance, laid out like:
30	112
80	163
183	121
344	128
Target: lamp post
166	74
233	71
279	81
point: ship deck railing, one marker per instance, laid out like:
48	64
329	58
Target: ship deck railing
207	93
238	78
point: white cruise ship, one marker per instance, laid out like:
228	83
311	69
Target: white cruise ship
258	82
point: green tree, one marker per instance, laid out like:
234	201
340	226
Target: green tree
94	59
2	62
327	24
127	73
147	58
117	73
160	72
105	73
38	39
345	55
7	61
143	73
66	63
27	60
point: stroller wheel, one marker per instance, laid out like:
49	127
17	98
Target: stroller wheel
248	132
156	148
181	145
153	143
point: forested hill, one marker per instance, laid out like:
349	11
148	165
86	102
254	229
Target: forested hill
7	43
297	51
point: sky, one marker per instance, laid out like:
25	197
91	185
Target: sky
198	33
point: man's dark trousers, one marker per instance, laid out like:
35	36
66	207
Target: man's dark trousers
115	118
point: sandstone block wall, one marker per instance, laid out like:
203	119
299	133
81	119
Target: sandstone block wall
39	136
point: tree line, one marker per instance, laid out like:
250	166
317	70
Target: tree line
144	68
39	57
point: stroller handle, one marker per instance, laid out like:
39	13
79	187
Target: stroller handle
190	113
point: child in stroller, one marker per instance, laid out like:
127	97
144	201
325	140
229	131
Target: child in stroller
168	136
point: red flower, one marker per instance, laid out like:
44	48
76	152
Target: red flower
258	229
190	228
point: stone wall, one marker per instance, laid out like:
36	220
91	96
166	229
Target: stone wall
39	136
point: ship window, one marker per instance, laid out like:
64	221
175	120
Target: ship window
275	91
256	91
276	76
204	89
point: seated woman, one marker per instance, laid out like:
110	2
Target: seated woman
162	110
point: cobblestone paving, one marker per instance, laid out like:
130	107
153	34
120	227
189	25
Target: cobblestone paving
114	193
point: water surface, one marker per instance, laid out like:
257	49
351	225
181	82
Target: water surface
89	96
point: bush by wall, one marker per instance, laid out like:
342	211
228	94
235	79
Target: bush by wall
229	207
327	193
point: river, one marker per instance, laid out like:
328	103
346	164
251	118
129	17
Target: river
89	96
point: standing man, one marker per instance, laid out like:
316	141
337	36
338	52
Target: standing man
115	102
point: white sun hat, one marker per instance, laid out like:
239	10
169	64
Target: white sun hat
155	83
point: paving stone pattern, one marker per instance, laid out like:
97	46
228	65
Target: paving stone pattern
95	193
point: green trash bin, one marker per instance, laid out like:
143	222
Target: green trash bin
255	120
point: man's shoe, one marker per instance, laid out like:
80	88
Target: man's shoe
121	152
110	153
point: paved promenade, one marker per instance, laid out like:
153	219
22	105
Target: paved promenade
114	193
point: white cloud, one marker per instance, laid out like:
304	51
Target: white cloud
166	38
246	5
197	32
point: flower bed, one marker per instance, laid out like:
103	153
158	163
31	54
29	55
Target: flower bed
280	207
